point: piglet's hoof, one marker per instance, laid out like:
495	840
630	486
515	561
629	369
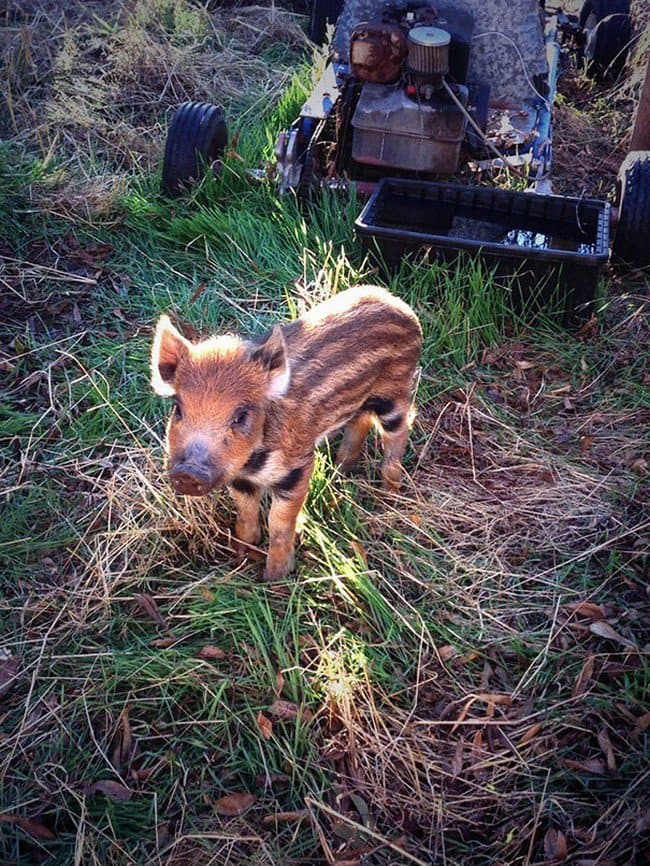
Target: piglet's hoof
278	570
247	552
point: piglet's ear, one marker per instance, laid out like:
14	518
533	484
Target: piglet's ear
169	346
271	353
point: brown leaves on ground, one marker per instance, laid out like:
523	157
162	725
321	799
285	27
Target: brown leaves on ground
233	804
265	726
150	607
31	826
555	846
288	711
585	617
211	653
115	791
282	710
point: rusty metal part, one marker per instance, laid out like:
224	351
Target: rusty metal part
377	52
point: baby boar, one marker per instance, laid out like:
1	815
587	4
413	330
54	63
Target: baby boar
248	413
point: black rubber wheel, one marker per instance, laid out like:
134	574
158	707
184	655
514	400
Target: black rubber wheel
323	12
308	185
632	238
197	137
608	30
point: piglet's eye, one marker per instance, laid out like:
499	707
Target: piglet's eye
240	419
178	409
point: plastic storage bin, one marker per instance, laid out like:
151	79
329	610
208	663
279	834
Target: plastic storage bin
547	248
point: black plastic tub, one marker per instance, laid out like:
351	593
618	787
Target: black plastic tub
548	249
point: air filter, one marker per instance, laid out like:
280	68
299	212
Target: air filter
429	51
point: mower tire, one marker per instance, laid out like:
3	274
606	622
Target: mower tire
632	238
608	29
197	137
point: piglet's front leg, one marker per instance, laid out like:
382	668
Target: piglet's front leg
248	533
288	497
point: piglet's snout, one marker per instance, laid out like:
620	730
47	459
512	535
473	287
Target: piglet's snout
193	473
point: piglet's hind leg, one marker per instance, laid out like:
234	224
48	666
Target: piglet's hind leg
355	434
395	431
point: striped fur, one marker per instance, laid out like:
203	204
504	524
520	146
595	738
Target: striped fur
248	414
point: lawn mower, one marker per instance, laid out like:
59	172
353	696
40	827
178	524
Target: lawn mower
416	91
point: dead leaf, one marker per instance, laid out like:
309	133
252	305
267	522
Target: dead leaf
265	725
123	748
115	791
604	629
163	642
584	677
8	674
272	779
530	733
642	823
586	442
286	710
233	804
359	550
605	744
34	828
447	652
279	682
642	724
149	606
589	329
555	847
498	700
148	772
563	435
593	765
587	609
299	815
363	809
197	293
210	653
639	466
457	760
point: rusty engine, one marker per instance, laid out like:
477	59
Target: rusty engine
393	98
412	67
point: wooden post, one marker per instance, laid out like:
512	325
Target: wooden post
641	129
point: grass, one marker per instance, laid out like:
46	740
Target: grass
455	674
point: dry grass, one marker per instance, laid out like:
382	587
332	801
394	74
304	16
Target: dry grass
456	675
92	84
476	737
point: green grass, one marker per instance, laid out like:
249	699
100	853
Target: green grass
440	679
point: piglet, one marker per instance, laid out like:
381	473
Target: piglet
248	414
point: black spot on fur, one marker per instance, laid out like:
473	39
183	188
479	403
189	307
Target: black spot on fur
256	461
290	480
242	485
392	424
378	405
